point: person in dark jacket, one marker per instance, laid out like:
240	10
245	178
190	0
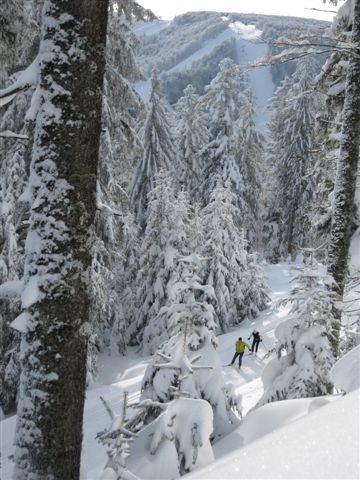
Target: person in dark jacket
256	340
239	350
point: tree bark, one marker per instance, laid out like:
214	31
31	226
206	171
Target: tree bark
58	248
345	183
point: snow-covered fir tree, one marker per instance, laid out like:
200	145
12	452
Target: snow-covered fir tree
331	82
119	148
224	249
185	293
159	151
125	286
223	101
272	208
345	200
227	267
256	292
249	148
191	135
16	128
165	237
16	49
304	347
177	236
292	137
176	442
12	223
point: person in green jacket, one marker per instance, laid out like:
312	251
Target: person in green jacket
240	350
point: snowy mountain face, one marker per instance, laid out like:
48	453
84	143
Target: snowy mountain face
188	50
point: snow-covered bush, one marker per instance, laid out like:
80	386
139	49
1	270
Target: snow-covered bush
176	442
304	350
117	439
180	423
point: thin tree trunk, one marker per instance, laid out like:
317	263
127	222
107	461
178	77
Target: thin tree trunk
58	248
345	183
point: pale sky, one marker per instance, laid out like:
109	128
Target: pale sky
167	9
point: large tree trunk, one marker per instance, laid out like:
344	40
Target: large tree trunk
58	249
345	183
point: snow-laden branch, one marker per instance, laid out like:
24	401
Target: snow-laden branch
102	207
26	79
11	289
320	10
12	135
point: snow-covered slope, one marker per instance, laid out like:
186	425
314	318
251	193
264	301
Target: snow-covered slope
323	443
247	47
189	48
271	442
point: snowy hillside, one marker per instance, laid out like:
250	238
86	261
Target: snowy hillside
275	438
189	49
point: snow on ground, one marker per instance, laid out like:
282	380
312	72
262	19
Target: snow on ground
321	445
345	374
273	439
247	32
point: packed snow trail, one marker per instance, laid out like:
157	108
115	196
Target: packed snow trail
118	374
248	380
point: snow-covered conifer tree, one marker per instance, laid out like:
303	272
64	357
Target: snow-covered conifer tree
165	237
249	145
223	101
304	351
292	136
347	164
184	291
255	295
226	268
159	151
119	148
346	182
176	236
331	82
191	134
125	285
16	127
272	208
